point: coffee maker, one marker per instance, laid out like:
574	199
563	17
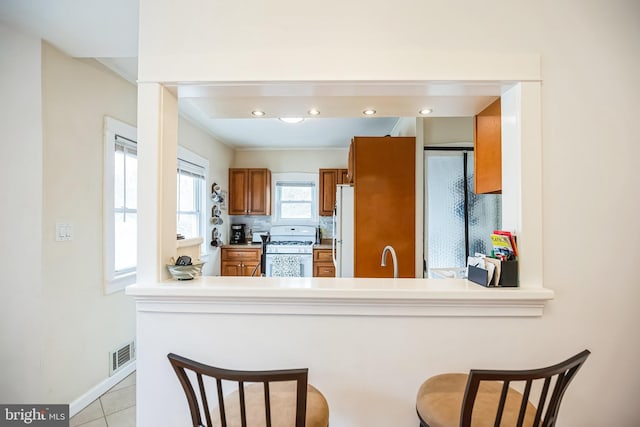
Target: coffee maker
237	233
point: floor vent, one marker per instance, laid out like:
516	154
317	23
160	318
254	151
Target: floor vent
121	357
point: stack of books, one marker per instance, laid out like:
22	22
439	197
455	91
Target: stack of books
504	245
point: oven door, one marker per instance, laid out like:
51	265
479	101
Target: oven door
289	265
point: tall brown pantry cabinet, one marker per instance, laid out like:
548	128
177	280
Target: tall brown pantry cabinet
384	174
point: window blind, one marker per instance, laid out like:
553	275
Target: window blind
190	169
295	184
127	144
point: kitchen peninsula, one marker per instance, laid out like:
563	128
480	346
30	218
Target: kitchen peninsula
368	343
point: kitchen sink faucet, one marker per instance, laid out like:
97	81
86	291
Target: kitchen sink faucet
386	249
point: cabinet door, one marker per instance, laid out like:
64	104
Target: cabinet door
487	164
259	192
328	181
343	176
384	204
248	267
238	186
351	165
231	268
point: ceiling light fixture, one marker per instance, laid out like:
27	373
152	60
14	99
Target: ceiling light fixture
425	111
292	119
313	112
369	112
258	113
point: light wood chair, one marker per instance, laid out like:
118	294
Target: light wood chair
486	398
276	398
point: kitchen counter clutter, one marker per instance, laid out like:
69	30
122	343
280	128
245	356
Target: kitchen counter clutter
347	296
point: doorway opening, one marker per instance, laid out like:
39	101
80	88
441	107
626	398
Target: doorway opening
458	222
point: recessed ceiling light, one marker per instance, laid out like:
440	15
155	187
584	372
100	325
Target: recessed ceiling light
369	112
313	112
292	119
425	111
258	113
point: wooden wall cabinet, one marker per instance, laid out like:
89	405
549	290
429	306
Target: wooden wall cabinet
249	191
329	178
487	158
385	205
350	165
323	263
240	261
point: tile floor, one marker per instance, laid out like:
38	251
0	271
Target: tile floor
115	408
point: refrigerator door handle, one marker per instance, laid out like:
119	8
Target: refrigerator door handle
333	242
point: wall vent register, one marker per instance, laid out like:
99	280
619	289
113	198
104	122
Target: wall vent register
121	357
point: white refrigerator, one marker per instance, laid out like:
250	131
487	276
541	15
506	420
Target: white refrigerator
343	231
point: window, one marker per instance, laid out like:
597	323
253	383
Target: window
191	195
296	198
120	204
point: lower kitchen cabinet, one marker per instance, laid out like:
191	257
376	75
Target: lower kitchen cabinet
240	261
323	263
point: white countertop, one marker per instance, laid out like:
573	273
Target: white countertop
361	296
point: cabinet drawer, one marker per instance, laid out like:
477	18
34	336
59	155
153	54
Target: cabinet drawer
322	255
232	254
324	270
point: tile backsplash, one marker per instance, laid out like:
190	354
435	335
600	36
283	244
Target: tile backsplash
263	223
326	226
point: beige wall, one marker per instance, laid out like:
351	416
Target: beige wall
82	324
21	326
406	126
447	130
588	56
292	160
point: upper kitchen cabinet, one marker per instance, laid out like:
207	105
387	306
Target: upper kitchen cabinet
349	175
249	191
329	178
487	162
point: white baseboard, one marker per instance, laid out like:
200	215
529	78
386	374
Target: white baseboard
85	400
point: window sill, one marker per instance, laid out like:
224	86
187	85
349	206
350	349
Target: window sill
119	283
185	243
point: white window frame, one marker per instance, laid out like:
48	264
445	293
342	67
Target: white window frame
189	156
294	177
113	282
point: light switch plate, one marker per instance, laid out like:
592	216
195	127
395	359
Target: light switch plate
64	232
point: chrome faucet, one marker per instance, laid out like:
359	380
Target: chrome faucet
386	249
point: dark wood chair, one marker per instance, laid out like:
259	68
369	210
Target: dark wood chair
488	398
273	398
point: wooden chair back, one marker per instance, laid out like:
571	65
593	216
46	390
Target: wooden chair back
553	380
199	401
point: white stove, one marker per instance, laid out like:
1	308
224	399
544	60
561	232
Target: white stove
289	253
294	239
